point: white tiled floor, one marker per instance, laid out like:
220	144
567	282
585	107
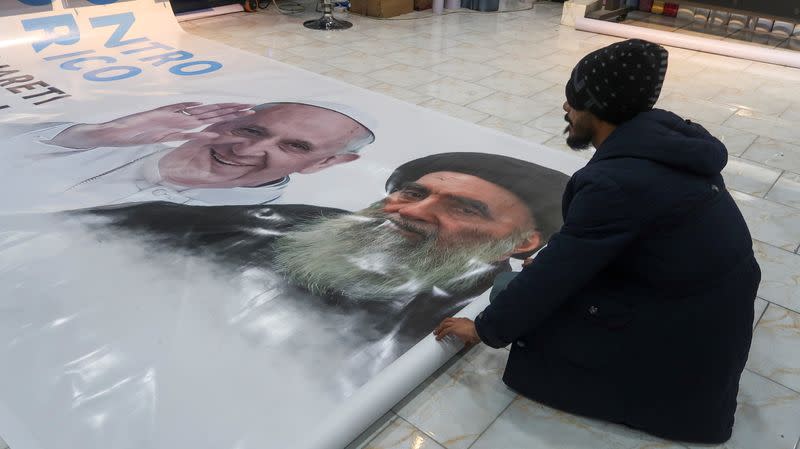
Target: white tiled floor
786	190
507	71
750	177
777	336
457	404
775	153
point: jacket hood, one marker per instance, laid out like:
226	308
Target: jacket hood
665	138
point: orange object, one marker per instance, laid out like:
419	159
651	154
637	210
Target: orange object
658	7
251	5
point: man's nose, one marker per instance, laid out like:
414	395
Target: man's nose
424	210
566	107
252	147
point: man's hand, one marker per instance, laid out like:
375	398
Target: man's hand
462	328
164	124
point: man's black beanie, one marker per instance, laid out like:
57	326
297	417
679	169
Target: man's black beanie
619	81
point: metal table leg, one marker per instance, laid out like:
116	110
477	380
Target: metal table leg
327	21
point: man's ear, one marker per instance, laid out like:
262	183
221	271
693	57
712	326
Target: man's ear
530	244
336	159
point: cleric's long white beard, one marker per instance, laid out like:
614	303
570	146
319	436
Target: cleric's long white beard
362	256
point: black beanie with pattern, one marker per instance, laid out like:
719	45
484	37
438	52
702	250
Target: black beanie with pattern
617	82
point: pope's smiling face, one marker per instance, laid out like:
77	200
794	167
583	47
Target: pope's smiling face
263	147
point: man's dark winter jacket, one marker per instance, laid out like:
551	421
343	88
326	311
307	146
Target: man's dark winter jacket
640	310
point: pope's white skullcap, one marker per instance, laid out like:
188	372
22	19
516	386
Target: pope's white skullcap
360	116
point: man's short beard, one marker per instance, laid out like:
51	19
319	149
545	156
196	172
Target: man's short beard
363	256
578	143
580	139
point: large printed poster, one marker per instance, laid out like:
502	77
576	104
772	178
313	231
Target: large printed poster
203	248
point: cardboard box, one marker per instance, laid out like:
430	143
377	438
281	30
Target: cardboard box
381	8
420	5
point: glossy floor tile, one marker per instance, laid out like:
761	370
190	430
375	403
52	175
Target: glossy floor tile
773	72
749	177
455	91
522	65
767	127
361	62
552	96
770	222
720	62
780	275
766	417
737	141
687	85
401	93
405	76
280	39
529	425
552	121
775	352
515	83
462	400
775	153
372	46
369	435
419	57
319	50
701	111
455	110
465	70
511	107
786	190
356	79
792	113
472	52
558	74
398	434
516	129
758	310
753	100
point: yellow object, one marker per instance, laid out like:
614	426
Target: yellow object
658	7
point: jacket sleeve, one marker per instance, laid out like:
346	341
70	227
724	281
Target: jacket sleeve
598	224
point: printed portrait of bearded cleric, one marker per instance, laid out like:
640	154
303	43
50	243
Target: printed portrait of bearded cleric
448	225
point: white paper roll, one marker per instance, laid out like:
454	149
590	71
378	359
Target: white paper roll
209	12
388	388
